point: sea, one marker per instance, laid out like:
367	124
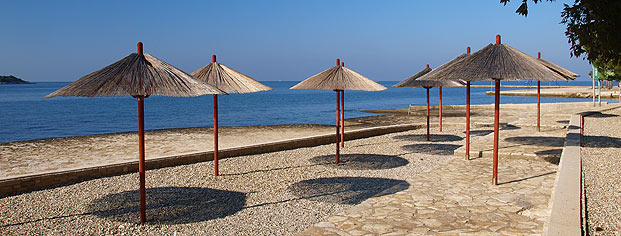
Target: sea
26	115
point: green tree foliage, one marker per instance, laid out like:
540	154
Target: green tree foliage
593	31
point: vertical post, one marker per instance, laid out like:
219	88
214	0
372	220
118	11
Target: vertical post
538	100
538	106
215	134
468	119
593	77
215	128
467	114
496	134
440	108
427	88
141	153
496	125
599	92
141	167
338	110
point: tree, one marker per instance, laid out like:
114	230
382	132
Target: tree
592	30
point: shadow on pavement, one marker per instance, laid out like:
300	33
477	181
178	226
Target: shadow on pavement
345	190
432	148
542	141
552	156
361	161
432	137
480	132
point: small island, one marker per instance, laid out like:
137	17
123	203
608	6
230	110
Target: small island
12	80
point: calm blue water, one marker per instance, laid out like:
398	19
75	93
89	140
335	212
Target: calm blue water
25	114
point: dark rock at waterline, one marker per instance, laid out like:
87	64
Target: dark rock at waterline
12	80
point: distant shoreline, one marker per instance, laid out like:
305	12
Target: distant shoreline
12	80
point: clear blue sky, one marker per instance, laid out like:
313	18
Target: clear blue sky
270	40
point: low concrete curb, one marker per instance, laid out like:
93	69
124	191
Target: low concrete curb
566	215
24	183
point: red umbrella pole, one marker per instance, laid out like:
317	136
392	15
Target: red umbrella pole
215	128
468	119
496	134
342	118
427	112
215	134
440	109
538	98
338	110
538	105
468	115
141	169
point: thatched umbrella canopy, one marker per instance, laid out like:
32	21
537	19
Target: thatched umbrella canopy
449	64
495	62
338	79
138	75
413	81
229	81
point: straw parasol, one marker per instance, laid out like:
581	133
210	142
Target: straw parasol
495	62
413	81
338	79
567	74
448	64
229	81
140	76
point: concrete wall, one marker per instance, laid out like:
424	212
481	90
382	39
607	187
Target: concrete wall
566	215
24	183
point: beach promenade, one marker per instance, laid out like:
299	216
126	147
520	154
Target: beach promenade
396	183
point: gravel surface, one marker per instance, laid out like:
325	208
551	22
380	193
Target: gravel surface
602	171
280	193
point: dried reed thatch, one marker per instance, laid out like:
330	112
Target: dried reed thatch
558	69
339	78
414	81
443	66
137	75
495	61
228	80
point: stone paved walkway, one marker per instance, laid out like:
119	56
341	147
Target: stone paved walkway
518	142
457	198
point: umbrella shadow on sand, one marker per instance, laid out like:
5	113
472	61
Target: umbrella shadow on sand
361	161
170	205
345	190
432	148
432	137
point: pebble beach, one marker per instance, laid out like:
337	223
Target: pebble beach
279	193
289	192
600	160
